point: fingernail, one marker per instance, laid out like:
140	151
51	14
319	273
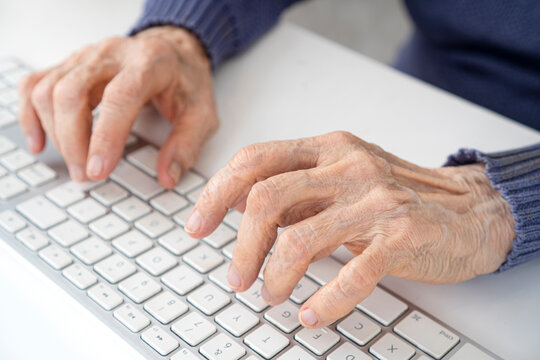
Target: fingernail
32	141
308	317
76	173
175	171
234	278
194	222
265	294
95	166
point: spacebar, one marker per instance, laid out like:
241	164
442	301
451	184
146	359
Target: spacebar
135	181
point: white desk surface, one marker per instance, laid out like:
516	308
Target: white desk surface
291	84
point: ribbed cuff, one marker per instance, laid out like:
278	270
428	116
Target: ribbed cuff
516	174
209	20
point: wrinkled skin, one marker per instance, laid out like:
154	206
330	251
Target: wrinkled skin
166	66
434	225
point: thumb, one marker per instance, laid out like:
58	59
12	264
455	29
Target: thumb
355	282
182	147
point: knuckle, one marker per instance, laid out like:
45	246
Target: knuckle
342	137
40	95
102	140
294	246
261	197
66	94
247	156
107	46
117	94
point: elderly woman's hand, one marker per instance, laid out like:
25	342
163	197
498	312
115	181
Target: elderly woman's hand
433	225
164	65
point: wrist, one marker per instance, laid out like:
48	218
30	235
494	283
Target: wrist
182	40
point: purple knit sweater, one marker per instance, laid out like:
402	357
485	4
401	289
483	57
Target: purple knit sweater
487	51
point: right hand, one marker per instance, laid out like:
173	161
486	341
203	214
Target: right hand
166	66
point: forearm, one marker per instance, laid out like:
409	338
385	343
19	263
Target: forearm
224	27
516	174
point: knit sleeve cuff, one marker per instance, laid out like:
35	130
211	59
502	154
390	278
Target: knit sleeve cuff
209	20
516	174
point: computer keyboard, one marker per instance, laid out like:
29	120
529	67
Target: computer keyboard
119	248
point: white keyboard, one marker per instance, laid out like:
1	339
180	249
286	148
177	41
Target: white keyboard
119	248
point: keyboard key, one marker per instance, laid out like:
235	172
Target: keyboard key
237	320
41	212
317	341
252	297
358	328
11	221
135	180
55	257
104	296
165	307
32	239
156	261
79	276
182	216
114	268
14	76
87	210
382	306
219	277
468	352
8	96
189	181
10	186
2	171
193	328
6	145
154	224
68	233
208	299
220	237
168	203
284	316
109	226
203	259
389	347
194	195
159	340
228	250
266	341
324	270
303	290
139	287
184	354
132	243
145	158
222	347
297	353
109	193
131	318
347	351
177	241
182	279
66	194
91	250
233	219
17	159
131	209
37	175
426	334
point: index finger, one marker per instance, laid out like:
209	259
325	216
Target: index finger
231	185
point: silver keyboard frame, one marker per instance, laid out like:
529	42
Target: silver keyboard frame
53	159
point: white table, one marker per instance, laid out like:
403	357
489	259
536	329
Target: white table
291	84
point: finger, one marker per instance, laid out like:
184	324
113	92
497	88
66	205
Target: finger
301	244
72	112
355	281
31	126
42	99
231	185
122	101
183	146
268	206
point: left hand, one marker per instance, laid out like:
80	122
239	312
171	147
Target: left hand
434	225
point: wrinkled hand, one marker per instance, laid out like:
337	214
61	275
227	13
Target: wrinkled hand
433	225
164	65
